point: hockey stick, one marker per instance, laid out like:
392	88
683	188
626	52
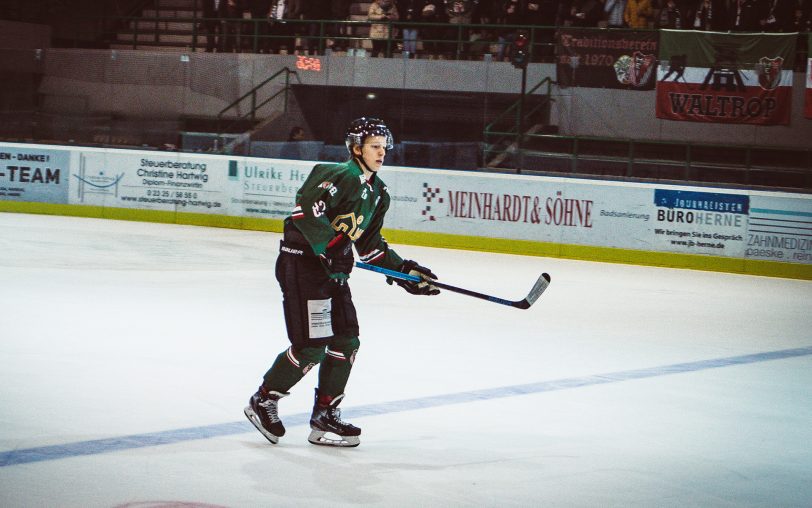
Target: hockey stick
525	303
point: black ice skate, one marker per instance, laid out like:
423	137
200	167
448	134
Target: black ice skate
327	427
263	411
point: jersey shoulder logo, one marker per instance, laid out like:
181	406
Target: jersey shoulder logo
329	186
319	208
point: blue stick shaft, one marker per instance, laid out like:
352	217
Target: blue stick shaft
388	272
413	278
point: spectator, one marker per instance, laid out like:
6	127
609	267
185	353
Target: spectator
614	10
486	12
745	16
381	10
432	35
213	12
410	10
512	13
709	16
292	149
479	43
637	14
586	13
670	16
260	12
314	10
339	11
801	23
460	12
232	12
282	32
778	16
541	13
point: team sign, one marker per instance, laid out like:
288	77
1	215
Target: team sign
34	174
606	59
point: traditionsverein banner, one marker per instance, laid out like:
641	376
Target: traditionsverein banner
624	59
808	109
725	77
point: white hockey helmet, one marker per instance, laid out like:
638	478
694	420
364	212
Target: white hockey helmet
364	127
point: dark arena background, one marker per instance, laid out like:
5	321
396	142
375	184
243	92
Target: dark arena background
655	163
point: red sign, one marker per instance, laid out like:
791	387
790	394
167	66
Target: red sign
306	63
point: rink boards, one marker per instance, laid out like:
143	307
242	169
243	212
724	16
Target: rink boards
708	228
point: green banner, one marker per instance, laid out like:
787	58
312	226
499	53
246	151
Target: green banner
706	49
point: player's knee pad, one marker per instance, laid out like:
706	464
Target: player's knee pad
305	359
343	349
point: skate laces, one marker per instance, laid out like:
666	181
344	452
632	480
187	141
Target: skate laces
271	408
335	413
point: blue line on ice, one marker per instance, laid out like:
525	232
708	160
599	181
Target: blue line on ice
83	448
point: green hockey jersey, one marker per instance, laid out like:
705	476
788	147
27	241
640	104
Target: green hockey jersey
337	199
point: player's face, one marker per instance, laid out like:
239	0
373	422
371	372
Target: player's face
373	152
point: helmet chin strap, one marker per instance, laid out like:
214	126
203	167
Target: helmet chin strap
363	163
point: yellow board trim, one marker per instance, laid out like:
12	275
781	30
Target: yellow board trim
442	240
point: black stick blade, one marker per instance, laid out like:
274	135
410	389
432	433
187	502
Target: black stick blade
538	288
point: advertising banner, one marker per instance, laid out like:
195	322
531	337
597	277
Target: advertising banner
780	228
643	217
725	77
699	222
630	216
624	59
265	188
151	181
34	174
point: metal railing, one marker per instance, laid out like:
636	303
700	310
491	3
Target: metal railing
500	141
249	34
790	168
449	40
252	95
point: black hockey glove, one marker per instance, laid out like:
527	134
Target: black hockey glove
416	288
338	259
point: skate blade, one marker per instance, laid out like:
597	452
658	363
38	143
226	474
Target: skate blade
319	437
254	419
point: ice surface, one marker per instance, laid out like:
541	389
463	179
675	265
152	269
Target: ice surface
128	351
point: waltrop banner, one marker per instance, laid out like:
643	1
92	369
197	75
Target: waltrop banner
725	77
808	109
606	59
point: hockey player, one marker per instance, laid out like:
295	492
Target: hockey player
337	206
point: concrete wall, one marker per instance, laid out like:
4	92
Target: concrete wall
124	83
18	35
630	114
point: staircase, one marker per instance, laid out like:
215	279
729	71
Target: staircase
504	146
164	25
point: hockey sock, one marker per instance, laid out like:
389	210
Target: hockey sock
335	369
290	367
